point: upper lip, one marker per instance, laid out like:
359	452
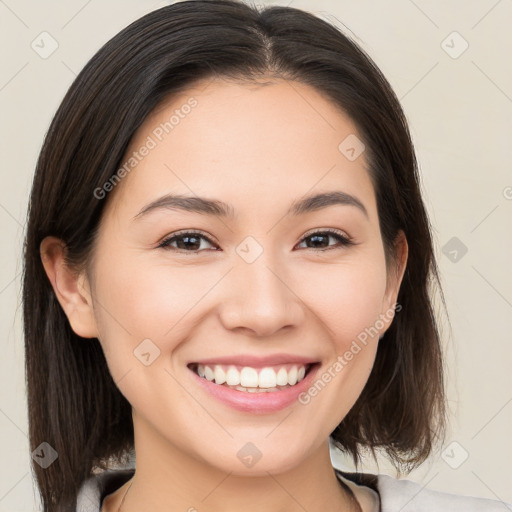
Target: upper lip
256	361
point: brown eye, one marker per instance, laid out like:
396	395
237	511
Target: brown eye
320	240
187	241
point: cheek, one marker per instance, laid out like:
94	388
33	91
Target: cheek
346	297
138	300
146	312
347	301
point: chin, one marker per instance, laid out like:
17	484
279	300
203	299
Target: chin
257	458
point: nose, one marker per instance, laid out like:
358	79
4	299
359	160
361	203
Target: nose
259	298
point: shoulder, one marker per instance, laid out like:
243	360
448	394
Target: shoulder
407	496
96	487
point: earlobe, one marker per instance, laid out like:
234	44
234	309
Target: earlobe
71	289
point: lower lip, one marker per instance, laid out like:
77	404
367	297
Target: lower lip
258	402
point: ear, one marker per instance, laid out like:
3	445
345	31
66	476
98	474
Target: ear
71	289
395	275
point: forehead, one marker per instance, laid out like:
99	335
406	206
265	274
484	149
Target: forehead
234	140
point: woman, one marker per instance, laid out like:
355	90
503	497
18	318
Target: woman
227	267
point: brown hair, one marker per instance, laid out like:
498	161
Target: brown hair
73	403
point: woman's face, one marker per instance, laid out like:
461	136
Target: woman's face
255	285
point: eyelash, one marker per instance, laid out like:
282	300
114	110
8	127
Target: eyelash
343	240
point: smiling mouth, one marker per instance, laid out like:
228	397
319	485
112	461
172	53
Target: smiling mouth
253	380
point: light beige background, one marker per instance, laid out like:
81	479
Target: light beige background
460	112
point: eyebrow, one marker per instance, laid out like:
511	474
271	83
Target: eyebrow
201	205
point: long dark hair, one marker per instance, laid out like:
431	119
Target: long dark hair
73	403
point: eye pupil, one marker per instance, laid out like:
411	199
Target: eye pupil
186	239
316	237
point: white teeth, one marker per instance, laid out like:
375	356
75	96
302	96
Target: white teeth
267	378
282	377
256	390
208	373
220	375
233	377
292	376
249	377
252	380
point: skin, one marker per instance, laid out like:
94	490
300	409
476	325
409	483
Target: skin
258	148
